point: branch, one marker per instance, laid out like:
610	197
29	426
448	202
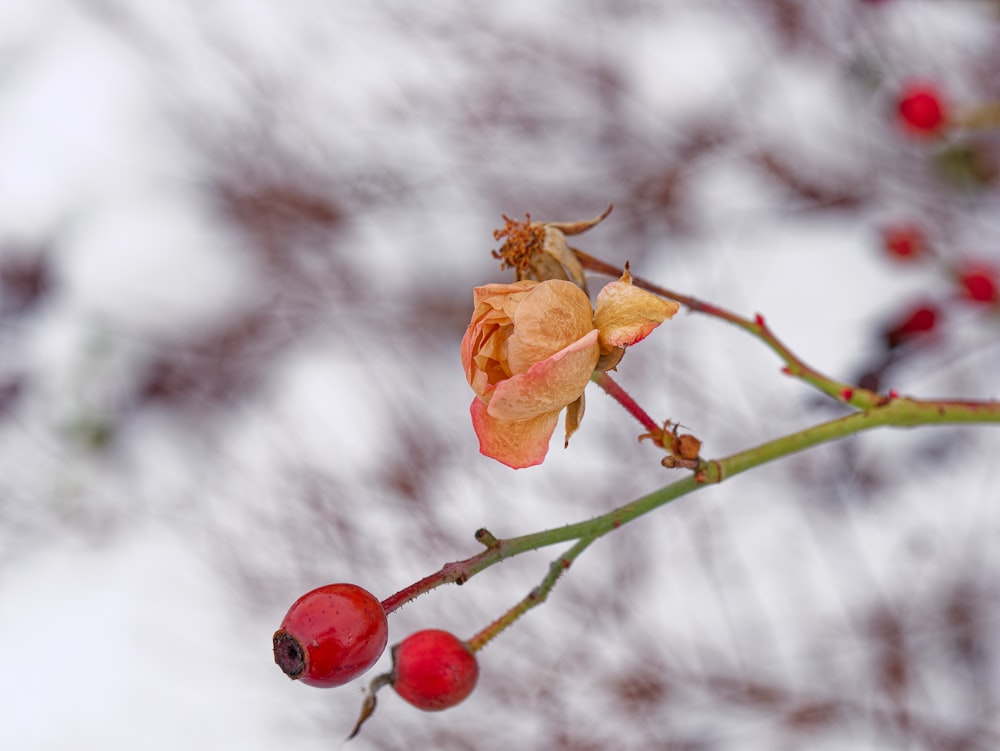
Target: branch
844	392
892	412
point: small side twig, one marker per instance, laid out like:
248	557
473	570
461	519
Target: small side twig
535	597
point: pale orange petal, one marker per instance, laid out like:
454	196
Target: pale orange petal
625	314
548	385
516	443
550	317
467	350
496	295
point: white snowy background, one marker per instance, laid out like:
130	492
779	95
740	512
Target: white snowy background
237	247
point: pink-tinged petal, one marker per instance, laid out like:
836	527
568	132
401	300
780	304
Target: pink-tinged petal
549	318
516	443
625	314
548	385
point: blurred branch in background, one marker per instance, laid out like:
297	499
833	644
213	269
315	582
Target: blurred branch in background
237	247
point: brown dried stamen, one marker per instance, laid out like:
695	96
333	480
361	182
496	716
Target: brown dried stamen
523	243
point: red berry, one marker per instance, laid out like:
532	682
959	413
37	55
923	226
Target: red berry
917	322
433	670
921	110
331	635
979	283
904	242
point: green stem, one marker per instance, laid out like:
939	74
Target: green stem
535	597
897	412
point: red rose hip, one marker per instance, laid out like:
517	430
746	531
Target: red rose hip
904	241
433	670
331	635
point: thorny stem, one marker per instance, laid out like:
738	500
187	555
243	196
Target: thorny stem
891	412
845	392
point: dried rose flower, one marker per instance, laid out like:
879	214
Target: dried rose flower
530	350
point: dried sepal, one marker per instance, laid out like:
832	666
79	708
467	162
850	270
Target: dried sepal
538	251
578	228
369	703
557	260
574	416
684	449
685	446
610	360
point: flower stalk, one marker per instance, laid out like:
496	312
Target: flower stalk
613	389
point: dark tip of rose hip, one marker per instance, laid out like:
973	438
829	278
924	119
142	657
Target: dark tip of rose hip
289	654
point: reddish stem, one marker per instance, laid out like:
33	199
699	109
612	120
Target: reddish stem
394	602
860	398
620	395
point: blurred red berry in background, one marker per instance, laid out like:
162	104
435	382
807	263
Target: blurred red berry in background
904	242
921	110
979	283
915	323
